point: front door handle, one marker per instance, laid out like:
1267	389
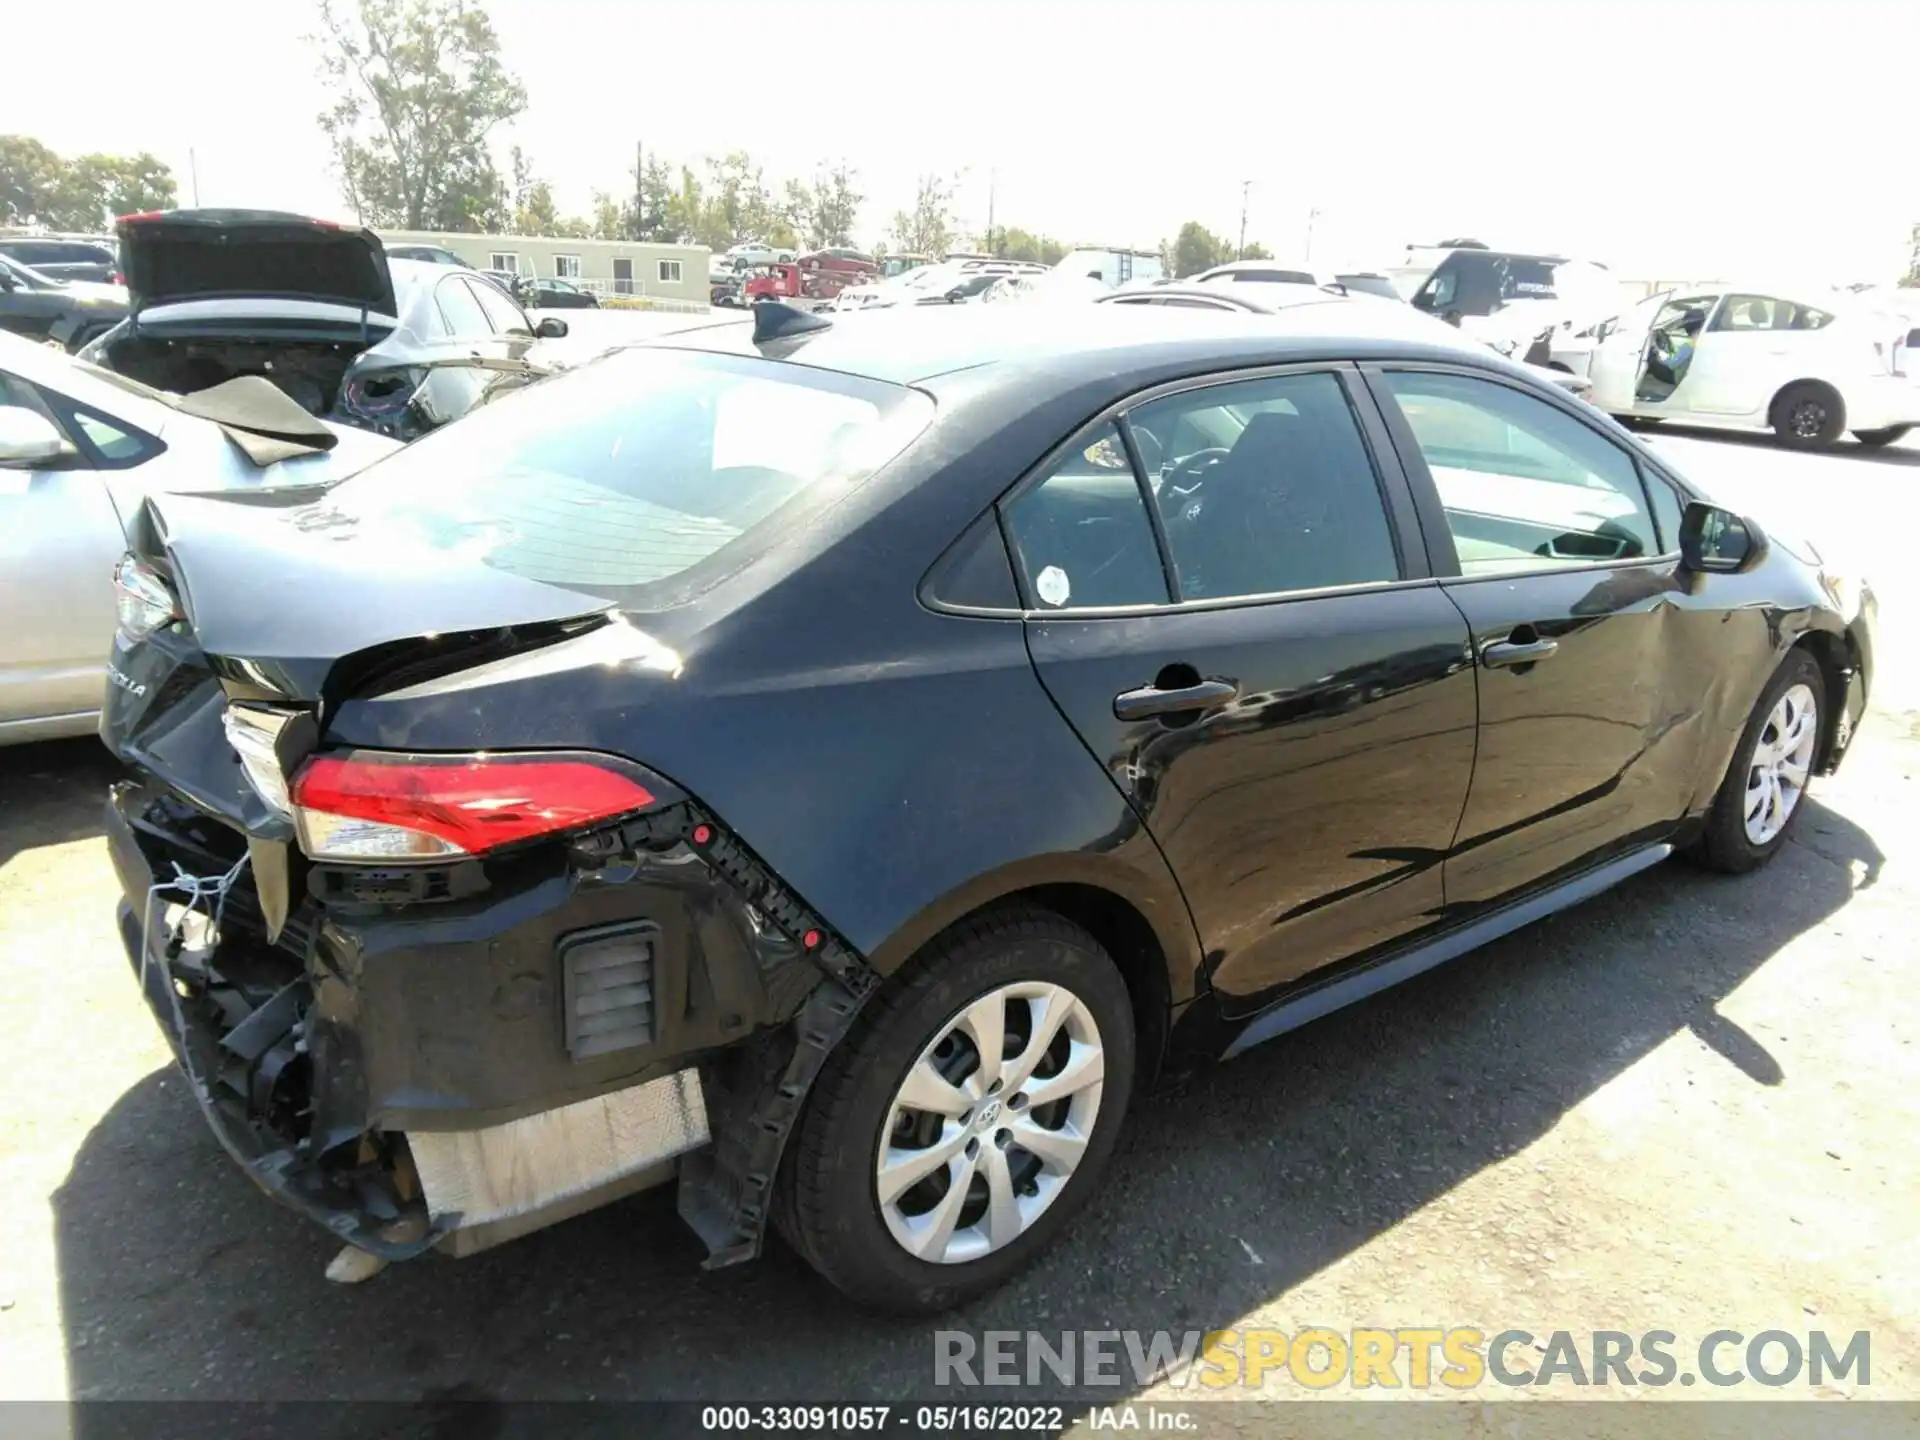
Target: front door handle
1150	700
1518	652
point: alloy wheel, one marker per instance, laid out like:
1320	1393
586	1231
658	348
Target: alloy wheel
1808	419
990	1122
1781	762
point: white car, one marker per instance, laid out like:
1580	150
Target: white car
1758	358
1262	272
80	447
755	252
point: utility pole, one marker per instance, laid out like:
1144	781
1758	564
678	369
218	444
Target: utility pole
992	249
1312	215
639	190
193	172
1241	253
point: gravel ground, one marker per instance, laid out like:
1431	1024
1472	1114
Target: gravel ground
1686	1105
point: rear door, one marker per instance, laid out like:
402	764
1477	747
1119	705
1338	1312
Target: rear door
1752	345
1229	601
1565	565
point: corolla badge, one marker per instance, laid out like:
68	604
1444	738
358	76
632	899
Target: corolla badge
125	682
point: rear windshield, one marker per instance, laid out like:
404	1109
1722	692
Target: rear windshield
636	468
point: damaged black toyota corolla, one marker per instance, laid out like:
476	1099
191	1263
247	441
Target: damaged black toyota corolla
833	766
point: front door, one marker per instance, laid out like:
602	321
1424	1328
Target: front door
1249	642
1567	571
623	277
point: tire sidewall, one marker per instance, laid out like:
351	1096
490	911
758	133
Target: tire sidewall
1793	396
862	1249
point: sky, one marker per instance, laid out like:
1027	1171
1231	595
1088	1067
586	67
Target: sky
1687	140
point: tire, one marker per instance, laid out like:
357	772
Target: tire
1876	438
1729	845
829	1206
1807	414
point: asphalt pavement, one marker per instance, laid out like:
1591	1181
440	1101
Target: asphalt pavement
1686	1105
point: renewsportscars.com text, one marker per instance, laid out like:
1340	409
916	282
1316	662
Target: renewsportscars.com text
1416	1358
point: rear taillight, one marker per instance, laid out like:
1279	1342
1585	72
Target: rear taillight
143	601
376	806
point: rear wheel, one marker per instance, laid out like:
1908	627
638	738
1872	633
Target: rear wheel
1806	414
1877	438
1760	797
971	1112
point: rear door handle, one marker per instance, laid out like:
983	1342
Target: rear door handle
1150	700
1518	652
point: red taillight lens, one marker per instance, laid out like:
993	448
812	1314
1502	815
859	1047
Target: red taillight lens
369	806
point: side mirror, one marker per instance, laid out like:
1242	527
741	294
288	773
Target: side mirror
1717	542
550	328
956	295
28	440
7	282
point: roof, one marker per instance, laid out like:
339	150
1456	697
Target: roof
909	345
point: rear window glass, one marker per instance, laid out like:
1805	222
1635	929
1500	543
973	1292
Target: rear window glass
1271	277
636	468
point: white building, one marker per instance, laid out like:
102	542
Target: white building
607	267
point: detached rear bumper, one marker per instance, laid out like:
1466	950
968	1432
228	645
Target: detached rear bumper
421	1058
248	1065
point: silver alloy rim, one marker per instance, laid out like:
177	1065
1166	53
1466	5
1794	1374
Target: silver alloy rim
990	1122
1782	760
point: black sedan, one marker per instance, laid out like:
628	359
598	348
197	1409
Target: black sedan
69	313
548	293
64	257
836	765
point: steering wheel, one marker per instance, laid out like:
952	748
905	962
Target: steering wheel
1191	471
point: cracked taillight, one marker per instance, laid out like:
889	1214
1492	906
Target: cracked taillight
383	807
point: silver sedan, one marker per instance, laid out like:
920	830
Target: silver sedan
79	449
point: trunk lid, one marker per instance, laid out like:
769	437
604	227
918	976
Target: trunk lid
278	588
286	611
174	255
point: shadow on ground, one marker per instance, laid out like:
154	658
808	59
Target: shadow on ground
178	1279
1847	449
52	793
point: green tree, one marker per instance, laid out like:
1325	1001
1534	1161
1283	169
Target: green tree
823	211
927	229
95	188
1197	248
38	187
1912	279
1013	243
29	173
416	89
1257	252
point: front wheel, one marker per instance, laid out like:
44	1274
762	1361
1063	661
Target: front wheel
1760	797
973	1109
1876	438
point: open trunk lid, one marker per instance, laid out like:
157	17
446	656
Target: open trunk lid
169	256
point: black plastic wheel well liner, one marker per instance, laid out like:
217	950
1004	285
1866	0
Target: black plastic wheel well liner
1836	661
1127	937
